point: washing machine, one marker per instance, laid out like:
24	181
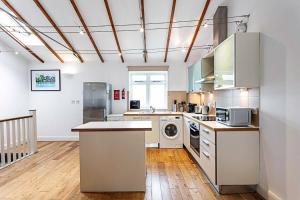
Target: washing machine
171	132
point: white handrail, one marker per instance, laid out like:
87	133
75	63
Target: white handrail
18	138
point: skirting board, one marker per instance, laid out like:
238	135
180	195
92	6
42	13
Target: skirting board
57	138
272	196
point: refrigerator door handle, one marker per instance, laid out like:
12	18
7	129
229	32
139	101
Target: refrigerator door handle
104	114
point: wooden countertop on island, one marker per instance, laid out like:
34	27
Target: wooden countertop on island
114	126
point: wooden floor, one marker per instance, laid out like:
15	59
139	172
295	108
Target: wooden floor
53	173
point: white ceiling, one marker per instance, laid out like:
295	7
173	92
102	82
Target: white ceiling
123	12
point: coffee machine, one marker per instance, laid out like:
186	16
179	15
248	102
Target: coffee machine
191	107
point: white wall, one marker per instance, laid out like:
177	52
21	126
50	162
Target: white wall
14	90
279	93
55	111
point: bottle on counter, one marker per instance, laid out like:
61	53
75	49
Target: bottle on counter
175	106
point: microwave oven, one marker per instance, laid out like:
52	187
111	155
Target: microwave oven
134	104
234	116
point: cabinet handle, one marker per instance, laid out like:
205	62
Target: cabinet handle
205	142
206	131
205	154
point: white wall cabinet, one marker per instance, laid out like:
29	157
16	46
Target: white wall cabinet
198	71
236	62
151	137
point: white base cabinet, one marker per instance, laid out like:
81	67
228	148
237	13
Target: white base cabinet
186	133
229	158
237	158
151	137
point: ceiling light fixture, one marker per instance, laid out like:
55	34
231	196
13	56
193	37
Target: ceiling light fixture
205	25
81	32
16	52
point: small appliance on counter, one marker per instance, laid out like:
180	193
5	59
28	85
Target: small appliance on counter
237	116
191	107
205	110
175	106
198	109
134	104
181	106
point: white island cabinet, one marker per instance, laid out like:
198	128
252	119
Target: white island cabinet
112	156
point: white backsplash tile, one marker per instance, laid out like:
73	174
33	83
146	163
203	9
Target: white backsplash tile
254	102
254	92
234	98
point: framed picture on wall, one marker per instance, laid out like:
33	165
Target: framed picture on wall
45	80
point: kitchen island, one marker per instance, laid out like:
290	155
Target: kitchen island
112	156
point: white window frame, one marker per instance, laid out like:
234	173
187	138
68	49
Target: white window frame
148	82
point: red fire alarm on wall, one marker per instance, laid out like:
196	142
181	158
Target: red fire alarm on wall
116	94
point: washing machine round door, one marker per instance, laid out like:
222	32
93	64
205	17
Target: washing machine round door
170	131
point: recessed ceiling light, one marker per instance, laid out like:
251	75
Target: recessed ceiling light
16	53
81	32
205	25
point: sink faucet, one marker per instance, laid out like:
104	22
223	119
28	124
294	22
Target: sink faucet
152	109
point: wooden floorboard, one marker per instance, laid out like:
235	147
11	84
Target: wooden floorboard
53	173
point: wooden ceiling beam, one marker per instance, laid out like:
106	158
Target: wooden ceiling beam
21	43
32	29
170	30
86	29
113	29
197	29
45	13
144	28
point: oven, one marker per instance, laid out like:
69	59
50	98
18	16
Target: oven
195	137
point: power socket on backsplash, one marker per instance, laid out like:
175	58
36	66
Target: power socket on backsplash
212	104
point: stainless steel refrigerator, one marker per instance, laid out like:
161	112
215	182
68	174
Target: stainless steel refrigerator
97	98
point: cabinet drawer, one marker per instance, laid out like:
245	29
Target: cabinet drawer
208	134
145	118
207	162
133	118
208	146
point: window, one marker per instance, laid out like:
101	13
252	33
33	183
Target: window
150	88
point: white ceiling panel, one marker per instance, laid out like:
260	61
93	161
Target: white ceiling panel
124	12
